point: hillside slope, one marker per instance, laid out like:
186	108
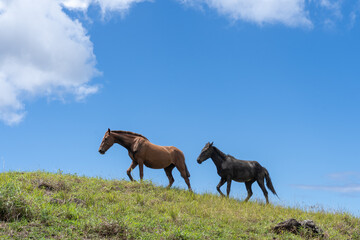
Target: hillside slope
36	205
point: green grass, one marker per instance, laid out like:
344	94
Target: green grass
40	205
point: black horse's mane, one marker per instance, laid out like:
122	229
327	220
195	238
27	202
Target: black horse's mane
127	132
222	155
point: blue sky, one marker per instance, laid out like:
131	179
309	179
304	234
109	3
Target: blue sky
275	81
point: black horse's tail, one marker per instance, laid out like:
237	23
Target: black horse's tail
269	183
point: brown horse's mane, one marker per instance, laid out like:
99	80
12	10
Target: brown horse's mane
131	133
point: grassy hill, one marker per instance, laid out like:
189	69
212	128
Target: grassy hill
35	205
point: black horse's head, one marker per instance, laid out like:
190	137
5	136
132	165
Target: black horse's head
107	142
206	152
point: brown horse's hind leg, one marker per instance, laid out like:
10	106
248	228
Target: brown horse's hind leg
179	162
141	170
132	166
168	171
184	174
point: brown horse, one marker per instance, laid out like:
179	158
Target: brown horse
143	152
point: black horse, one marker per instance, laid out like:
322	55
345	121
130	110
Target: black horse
230	168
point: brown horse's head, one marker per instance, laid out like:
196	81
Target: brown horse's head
206	153
107	142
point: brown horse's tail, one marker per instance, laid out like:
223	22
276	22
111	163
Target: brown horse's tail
269	183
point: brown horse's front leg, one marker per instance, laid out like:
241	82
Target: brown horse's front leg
132	166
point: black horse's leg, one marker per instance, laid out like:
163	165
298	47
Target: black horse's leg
132	166
228	186
168	171
222	181
262	186
249	191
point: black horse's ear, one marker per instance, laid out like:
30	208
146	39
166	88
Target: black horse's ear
211	143
109	130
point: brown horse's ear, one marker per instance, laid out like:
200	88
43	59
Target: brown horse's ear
109	130
137	145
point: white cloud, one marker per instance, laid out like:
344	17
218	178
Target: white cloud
76	4
43	52
327	12
353	188
354	14
353	17
105	5
350	175
334	6
289	12
346	182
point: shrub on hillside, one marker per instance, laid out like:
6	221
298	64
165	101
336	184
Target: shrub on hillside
12	204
